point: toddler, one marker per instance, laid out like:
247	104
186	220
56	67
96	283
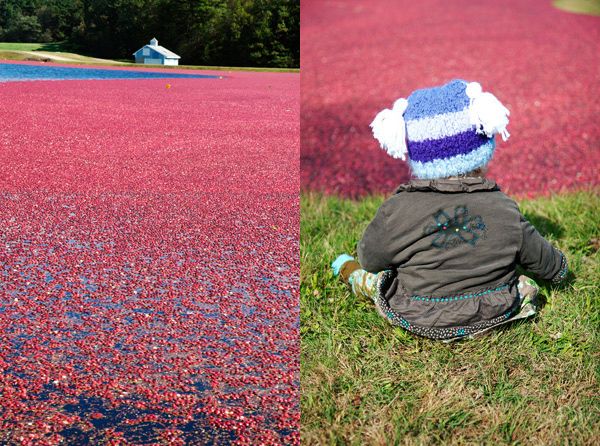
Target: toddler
440	256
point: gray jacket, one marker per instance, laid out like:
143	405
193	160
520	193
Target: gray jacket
452	246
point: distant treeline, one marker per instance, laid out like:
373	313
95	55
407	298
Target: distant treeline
203	32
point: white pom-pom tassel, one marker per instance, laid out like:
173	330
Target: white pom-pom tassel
389	129
486	112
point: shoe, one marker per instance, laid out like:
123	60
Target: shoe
528	290
339	262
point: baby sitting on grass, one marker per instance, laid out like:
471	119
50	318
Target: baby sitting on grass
440	256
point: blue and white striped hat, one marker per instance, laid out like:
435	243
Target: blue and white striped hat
445	131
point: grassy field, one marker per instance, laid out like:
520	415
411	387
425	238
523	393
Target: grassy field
48	52
591	7
60	53
366	382
8	46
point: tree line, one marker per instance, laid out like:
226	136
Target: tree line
203	32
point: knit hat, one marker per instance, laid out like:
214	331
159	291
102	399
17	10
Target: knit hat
445	131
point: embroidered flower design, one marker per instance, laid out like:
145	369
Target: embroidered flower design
454	231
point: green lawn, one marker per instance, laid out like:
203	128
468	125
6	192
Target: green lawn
8	46
366	382
591	7
58	52
61	53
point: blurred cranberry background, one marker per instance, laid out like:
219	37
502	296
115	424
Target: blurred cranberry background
358	56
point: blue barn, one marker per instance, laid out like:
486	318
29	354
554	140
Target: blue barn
156	54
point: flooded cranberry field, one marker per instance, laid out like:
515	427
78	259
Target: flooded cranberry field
149	261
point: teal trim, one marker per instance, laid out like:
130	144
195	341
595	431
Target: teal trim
458	297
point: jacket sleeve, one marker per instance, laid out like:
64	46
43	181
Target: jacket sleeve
539	257
374	254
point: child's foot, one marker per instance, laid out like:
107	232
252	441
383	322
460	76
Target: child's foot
530	303
339	262
528	289
344	265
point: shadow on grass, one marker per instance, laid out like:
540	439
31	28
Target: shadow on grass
548	228
56	47
545	226
64	47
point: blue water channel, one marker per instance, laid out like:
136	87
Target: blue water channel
11	72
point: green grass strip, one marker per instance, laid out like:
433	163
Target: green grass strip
591	7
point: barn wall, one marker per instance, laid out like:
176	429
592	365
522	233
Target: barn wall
155	58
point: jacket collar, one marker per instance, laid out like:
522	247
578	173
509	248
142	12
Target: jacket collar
449	185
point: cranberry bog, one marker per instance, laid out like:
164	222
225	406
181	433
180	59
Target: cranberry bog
541	62
149	260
